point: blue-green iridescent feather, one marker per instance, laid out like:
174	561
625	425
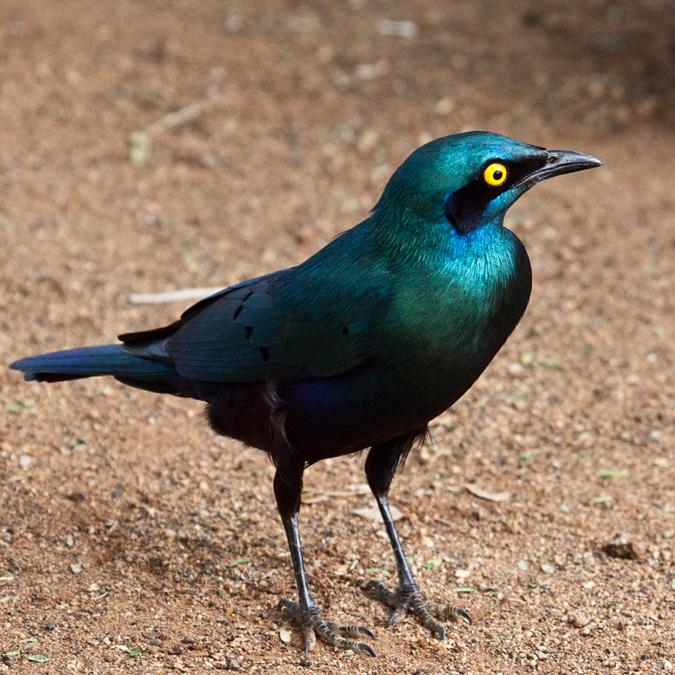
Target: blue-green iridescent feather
373	335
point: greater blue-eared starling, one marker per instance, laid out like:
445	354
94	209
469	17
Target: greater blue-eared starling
358	347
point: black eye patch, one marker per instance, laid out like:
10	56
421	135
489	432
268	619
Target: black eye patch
520	170
464	208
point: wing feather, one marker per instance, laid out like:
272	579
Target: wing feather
315	320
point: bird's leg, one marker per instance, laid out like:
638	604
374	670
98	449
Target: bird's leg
287	489
380	467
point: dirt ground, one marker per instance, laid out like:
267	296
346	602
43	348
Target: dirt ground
134	539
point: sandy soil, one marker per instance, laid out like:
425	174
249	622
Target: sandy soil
132	538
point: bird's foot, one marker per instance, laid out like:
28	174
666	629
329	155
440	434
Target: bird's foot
314	624
407	598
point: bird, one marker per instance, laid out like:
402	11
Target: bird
356	348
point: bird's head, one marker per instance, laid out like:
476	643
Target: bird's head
468	180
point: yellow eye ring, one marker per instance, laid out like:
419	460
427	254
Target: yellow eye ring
495	174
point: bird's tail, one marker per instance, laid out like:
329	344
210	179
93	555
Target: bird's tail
73	364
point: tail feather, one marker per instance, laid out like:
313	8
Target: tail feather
73	364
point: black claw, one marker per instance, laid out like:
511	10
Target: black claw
395	617
464	615
367	649
369	633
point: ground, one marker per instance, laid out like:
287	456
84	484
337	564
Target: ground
134	539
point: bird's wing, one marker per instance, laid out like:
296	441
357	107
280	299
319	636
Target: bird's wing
274	327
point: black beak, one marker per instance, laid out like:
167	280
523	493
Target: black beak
564	161
558	163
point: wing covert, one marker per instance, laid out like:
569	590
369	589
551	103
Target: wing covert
314	320
257	332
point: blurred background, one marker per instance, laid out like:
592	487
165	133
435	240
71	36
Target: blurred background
152	146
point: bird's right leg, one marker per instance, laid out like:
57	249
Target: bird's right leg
287	490
381	465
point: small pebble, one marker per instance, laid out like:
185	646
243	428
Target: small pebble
445	106
367	140
76	568
578	619
586	630
404	29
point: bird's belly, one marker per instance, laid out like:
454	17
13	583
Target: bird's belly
336	416
328	417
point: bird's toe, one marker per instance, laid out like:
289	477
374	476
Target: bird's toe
460	613
353	631
378	591
436	628
408	599
397	616
314	625
291	607
450	613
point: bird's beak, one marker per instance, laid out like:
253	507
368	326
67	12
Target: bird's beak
558	163
564	161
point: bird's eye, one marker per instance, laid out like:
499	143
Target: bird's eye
495	174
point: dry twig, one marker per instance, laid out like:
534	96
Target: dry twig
141	141
173	296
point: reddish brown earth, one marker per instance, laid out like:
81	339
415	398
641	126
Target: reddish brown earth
125	523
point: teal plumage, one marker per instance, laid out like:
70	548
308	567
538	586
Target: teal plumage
359	346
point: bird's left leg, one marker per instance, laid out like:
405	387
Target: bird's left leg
287	490
380	468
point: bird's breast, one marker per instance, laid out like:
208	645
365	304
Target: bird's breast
447	322
442	325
